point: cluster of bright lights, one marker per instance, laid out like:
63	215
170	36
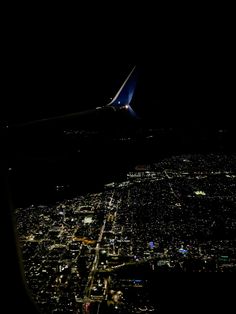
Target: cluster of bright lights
125	107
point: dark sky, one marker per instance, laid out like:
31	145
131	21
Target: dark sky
185	72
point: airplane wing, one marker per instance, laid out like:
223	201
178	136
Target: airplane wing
120	102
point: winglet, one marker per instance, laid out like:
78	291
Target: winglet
123	98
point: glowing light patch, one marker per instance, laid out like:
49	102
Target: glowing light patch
88	220
199	193
151	245
183	251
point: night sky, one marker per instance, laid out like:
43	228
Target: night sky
185	72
